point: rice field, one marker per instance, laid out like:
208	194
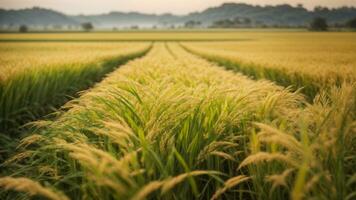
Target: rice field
37	76
310	60
143	36
172	124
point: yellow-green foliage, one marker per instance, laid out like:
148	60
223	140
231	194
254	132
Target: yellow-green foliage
21	57
37	76
310	60
173	126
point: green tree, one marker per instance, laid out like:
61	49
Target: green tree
192	24
319	24
351	23
23	29
87	26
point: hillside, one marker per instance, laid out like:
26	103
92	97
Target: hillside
273	15
35	17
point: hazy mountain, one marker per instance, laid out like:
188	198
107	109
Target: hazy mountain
35	17
269	15
273	15
281	14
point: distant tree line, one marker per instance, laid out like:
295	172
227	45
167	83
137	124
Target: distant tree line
233	23
317	24
87	26
321	24
192	24
23	29
351	23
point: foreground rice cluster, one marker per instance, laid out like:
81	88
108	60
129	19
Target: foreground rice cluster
37	76
173	126
314	61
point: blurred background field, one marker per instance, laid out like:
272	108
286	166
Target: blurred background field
183	35
148	35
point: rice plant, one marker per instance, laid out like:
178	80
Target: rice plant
35	77
314	160
171	125
312	61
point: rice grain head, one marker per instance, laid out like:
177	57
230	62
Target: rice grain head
30	187
279	179
230	183
263	156
172	182
147	189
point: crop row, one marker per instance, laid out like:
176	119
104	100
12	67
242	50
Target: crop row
173	126
36	77
310	61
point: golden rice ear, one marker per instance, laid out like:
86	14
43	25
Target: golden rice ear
263	156
19	157
147	189
279	179
232	182
168	184
214	146
272	135
30	187
172	182
223	155
24	143
94	159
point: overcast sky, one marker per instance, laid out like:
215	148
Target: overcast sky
153	6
